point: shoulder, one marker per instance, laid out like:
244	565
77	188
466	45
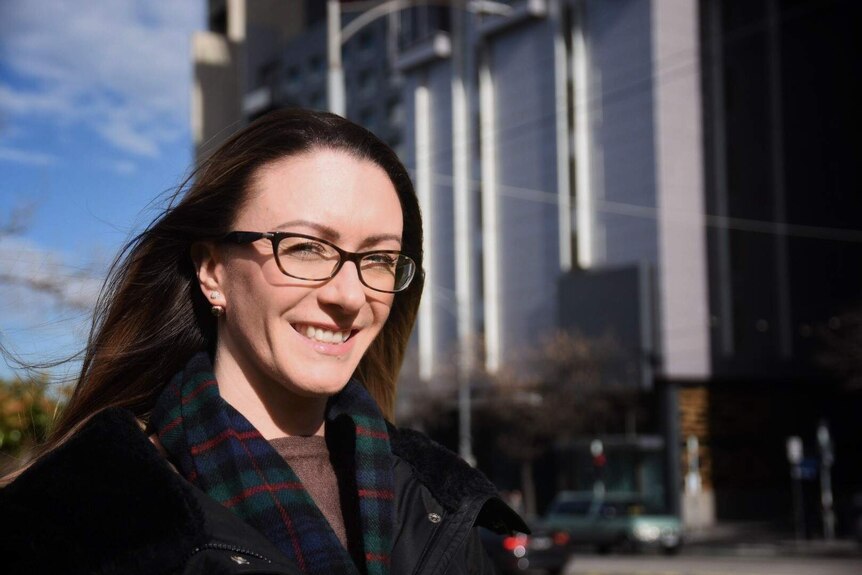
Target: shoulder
106	488
107	502
452	482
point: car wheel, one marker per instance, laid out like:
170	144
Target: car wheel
603	549
630	545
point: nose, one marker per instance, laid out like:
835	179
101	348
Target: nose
344	289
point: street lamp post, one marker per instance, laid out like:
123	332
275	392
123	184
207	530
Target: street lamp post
336	36
827	457
794	457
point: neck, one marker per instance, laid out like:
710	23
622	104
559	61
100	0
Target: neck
268	405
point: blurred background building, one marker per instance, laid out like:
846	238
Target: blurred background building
677	175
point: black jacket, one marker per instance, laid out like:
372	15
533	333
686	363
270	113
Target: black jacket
107	502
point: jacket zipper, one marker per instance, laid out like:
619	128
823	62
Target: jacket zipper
230	548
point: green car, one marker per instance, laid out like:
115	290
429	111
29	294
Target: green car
611	520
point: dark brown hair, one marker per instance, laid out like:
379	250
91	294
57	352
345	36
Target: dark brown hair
152	317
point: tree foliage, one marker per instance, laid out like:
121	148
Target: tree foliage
568	386
572	385
841	353
27	410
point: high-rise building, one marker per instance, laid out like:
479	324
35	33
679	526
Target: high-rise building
678	173
259	55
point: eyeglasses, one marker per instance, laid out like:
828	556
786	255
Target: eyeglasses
308	258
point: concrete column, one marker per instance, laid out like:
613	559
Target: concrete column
684	304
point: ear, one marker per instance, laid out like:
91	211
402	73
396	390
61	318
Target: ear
210	270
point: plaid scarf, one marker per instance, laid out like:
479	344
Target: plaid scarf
220	451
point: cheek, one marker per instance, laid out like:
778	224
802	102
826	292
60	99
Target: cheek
381	310
255	301
255	286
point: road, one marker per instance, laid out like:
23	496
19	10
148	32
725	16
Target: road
710	565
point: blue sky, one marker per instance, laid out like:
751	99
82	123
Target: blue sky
94	126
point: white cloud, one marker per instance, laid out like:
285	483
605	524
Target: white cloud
125	167
45	306
121	67
35	273
26	157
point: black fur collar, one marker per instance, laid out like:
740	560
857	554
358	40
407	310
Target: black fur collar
452	481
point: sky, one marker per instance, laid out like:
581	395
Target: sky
94	129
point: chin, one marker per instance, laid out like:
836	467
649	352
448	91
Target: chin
326	383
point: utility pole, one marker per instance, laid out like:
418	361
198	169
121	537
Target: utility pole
463	228
827	458
794	457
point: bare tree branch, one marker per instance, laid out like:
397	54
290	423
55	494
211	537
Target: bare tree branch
841	337
40	272
18	220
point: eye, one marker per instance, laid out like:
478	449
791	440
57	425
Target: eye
381	259
304	249
380	263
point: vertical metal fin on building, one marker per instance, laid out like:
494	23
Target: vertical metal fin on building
779	202
490	214
561	107
584	208
719	169
422	115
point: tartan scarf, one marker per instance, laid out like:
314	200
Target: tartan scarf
217	449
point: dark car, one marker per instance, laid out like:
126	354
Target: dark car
609	520
543	550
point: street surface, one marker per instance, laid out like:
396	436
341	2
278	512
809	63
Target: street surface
710	565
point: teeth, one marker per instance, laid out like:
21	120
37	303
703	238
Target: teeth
325	336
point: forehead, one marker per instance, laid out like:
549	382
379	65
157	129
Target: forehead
331	188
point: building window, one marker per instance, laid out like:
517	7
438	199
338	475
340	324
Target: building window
395	111
367	116
218	20
365	83
292	77
266	74
317	100
365	41
315	65
394	139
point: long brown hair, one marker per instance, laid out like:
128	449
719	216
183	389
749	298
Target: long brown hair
152	317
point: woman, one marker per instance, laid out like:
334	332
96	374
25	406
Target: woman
231	412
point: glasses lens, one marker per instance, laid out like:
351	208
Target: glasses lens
387	271
306	258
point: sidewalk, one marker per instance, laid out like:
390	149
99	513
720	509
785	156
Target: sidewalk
762	539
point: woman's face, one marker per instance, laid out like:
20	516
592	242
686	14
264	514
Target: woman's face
278	329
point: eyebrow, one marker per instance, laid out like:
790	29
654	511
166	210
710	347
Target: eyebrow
332	234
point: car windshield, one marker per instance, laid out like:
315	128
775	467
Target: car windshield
621	509
571	507
609	508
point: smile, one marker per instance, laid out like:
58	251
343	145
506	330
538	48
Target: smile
323	335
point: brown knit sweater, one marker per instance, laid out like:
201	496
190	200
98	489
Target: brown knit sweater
309	459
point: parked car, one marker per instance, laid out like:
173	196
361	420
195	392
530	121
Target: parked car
542	550
613	520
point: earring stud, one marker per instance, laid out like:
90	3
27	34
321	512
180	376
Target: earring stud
214	295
